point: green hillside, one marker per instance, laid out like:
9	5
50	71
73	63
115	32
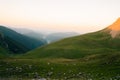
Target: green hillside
97	54
78	47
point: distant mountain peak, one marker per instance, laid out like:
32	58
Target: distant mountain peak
115	28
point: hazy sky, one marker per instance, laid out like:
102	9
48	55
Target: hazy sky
59	15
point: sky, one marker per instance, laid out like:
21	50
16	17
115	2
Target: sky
80	16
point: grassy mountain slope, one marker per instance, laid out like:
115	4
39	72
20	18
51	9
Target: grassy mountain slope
77	47
95	56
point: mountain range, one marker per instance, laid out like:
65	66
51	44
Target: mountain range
50	38
53	37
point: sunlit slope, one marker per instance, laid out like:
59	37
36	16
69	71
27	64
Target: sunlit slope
77	47
114	29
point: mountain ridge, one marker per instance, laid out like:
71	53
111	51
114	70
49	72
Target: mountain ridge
114	28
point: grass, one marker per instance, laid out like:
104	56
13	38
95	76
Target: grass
78	47
3	53
93	67
93	56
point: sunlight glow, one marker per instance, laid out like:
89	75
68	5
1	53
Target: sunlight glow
59	15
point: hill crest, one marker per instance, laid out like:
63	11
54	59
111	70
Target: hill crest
114	28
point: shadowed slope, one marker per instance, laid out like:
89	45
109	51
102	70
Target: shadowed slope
28	42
